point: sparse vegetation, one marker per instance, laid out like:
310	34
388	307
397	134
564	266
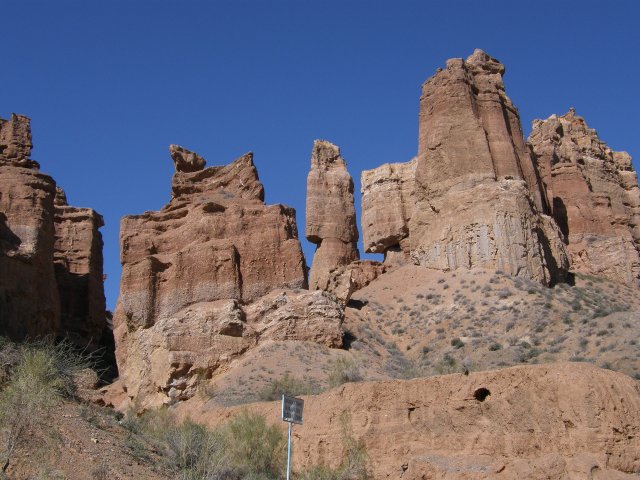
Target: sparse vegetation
287	385
41	375
343	370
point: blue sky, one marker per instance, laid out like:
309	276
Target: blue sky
109	85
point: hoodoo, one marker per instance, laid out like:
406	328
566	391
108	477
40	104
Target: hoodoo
331	215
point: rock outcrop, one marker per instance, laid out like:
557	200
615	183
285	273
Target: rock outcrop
594	196
330	212
387	205
50	253
562	420
77	261
29	302
196	276
472	197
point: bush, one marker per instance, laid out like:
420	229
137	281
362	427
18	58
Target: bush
457	343
42	375
343	370
354	465
254	447
287	385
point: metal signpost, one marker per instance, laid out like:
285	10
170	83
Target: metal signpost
291	413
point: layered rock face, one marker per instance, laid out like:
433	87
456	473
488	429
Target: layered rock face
191	269
330	212
78	268
594	196
562	420
478	197
29	302
50	253
388	199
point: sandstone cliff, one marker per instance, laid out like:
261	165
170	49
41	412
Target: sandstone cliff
594	196
29	302
50	253
330	212
479	200
198	277
78	269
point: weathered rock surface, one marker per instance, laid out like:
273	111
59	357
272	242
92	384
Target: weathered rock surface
169	360
77	260
195	275
29	303
563	420
594	196
346	280
388	201
479	201
330	212
50	253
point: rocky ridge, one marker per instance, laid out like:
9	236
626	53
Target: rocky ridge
593	196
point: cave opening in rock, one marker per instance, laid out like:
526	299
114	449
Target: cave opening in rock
481	394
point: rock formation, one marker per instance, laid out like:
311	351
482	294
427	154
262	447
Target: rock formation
472	197
29	302
567	420
479	201
78	267
330	212
388	199
594	196
50	253
194	272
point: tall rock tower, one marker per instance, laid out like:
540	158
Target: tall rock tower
330	212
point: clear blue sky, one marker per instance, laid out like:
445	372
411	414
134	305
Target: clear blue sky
109	85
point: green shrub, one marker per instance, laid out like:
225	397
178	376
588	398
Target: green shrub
41	375
287	385
457	343
343	370
253	447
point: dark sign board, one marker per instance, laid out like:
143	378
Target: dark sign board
292	409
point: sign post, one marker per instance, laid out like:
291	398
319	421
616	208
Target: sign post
291	413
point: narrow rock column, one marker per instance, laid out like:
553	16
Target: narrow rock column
331	215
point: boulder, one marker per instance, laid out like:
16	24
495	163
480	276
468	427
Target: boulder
388	199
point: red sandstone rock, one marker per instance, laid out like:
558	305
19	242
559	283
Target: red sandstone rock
195	275
594	196
38	231
558	420
387	204
78	268
478	196
330	212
